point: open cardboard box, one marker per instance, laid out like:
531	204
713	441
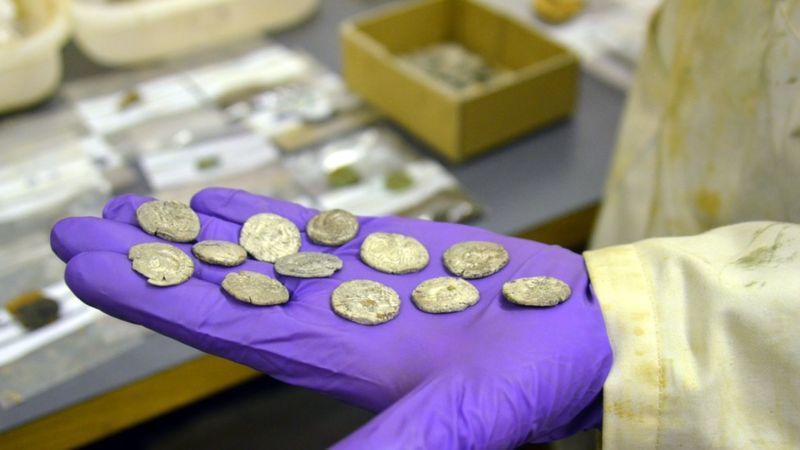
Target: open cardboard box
540	87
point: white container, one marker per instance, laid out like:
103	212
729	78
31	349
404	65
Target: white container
30	66
133	32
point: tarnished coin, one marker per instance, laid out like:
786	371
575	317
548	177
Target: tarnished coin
444	295
394	253
536	291
365	302
269	236
308	265
255	288
162	264
173	221
221	253
475	259
332	228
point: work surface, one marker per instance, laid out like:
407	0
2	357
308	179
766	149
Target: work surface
522	185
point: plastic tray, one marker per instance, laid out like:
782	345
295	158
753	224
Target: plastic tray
30	66
133	32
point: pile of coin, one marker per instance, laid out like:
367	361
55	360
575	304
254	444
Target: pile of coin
273	239
452	64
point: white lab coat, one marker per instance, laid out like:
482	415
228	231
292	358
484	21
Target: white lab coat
711	133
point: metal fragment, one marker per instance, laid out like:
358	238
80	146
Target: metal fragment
365	302
444	295
475	259
255	288
220	253
269	236
536	291
170	220
308	265
162	264
332	228
394	253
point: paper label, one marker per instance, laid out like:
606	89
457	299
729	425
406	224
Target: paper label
122	109
207	161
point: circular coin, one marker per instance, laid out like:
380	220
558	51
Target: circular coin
221	253
162	264
536	291
255	288
365	302
269	236
308	265
444	295
173	221
475	259
394	253
332	228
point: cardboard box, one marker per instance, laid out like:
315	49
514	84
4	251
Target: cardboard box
540	88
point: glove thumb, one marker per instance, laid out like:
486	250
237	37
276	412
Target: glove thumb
451	412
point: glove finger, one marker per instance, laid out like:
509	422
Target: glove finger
200	314
237	206
75	235
122	208
446	412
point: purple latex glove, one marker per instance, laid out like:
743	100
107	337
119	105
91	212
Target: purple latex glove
493	376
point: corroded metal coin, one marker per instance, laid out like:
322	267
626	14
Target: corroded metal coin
444	295
173	221
162	264
365	302
394	253
332	228
255	288
475	259
308	265
536	291
269	236
221	253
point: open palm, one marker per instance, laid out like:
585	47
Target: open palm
493	376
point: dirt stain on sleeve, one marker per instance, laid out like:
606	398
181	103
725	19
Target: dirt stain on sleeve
708	201
765	254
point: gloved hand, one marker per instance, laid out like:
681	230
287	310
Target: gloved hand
495	375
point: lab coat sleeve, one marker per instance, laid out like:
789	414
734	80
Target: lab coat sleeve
706	338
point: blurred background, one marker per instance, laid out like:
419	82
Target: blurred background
497	113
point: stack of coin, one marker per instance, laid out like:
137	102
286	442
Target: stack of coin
452	64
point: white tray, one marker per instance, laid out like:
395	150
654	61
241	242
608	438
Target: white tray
30	67
134	32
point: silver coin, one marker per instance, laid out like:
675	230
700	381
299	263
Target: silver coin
308	265
255	288
162	264
365	302
475	259
332	228
444	295
536	291
394	253
269	236
173	221
220	253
